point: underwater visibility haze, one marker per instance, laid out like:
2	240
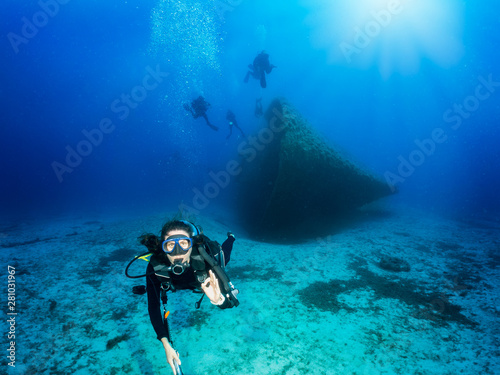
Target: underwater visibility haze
102	139
371	83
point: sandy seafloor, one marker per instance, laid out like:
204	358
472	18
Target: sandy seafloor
320	307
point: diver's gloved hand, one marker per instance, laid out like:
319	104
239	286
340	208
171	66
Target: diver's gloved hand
171	355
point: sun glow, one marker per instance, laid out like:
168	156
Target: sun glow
395	35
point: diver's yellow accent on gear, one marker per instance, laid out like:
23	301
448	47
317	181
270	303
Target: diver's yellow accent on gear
145	257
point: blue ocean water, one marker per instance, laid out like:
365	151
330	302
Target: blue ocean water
96	147
374	77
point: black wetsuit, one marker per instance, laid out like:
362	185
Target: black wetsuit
199	108
185	281
260	66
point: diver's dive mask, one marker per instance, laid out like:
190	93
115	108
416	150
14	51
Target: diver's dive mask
177	245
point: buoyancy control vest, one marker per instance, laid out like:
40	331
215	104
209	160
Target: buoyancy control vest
206	255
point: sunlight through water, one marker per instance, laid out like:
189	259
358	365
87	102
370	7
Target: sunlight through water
394	35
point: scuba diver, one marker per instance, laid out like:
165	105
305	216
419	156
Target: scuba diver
231	118
259	68
198	108
258	108
183	258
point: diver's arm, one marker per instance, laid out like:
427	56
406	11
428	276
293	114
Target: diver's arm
154	309
153	289
171	354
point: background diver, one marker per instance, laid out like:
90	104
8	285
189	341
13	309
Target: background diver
198	108
259	68
231	119
184	258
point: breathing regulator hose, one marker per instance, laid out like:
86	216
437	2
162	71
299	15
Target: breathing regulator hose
132	261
